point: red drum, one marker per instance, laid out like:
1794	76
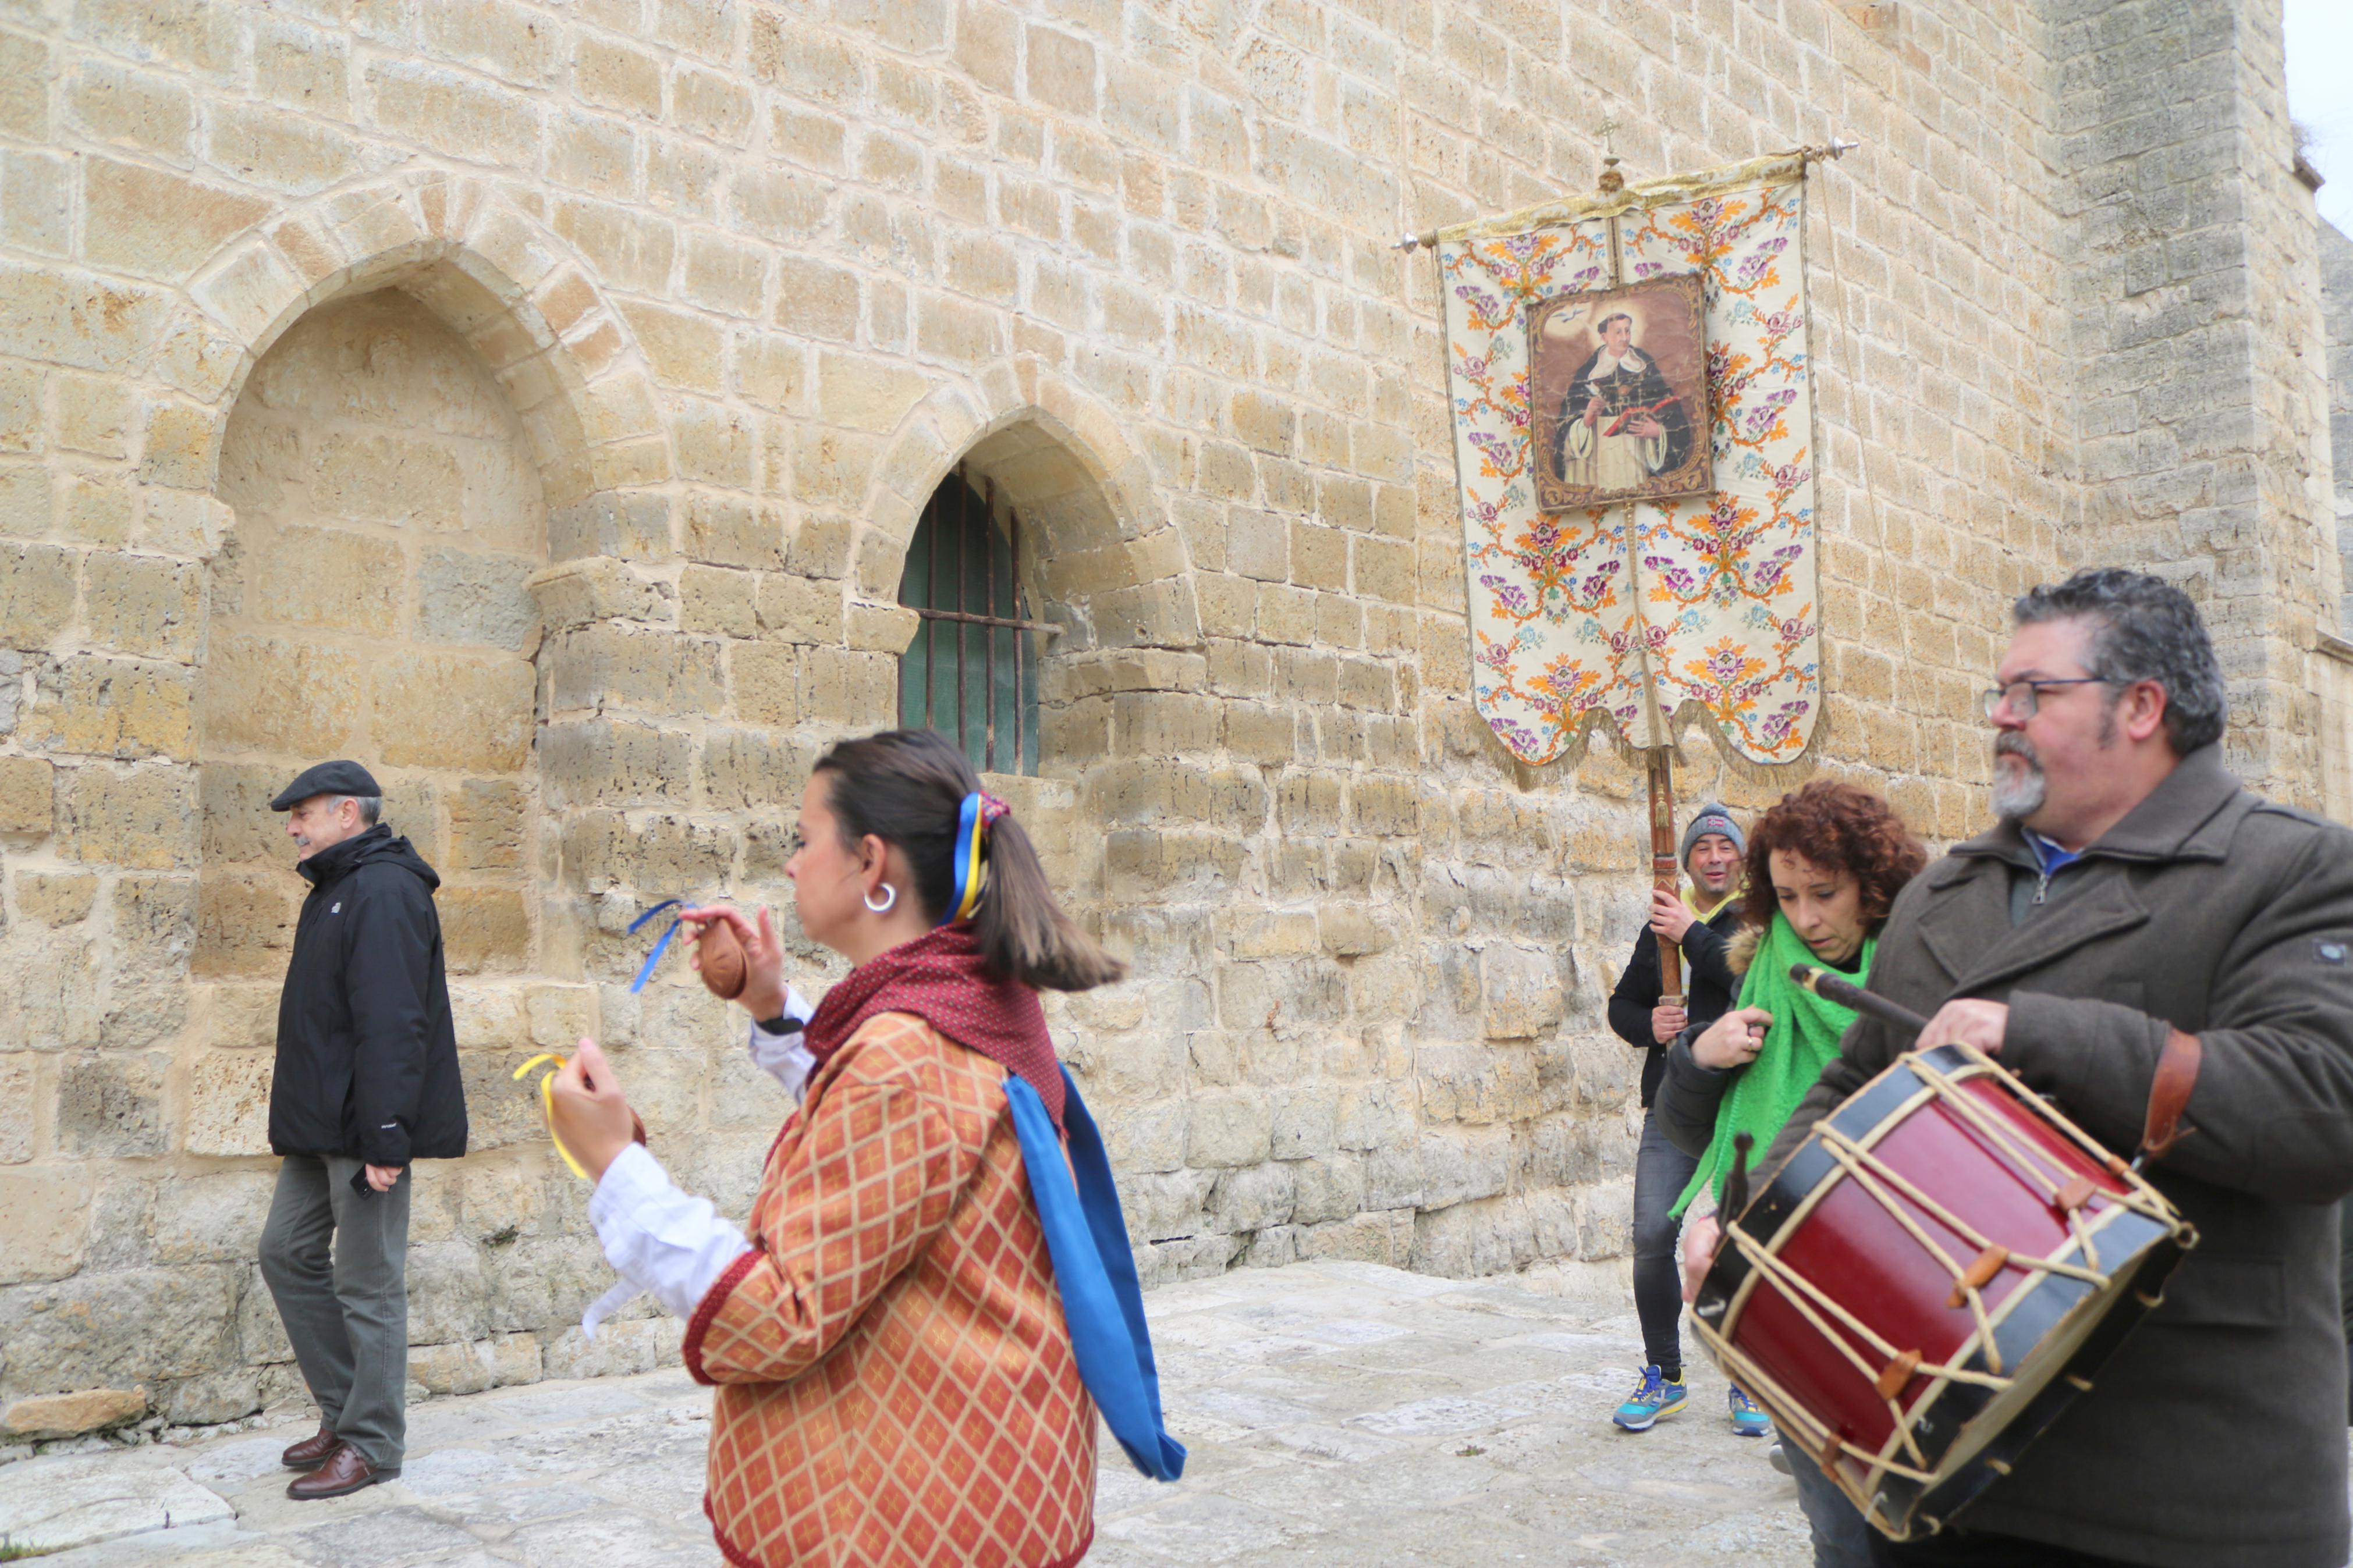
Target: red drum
1931	1278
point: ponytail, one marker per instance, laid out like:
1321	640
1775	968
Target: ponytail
908	787
1023	932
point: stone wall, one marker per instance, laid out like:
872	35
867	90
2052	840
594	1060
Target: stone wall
2337	302
2197	320
731	287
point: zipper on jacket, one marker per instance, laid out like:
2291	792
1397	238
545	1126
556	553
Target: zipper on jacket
2041	885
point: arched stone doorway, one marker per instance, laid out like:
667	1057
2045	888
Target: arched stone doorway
1143	826
369	600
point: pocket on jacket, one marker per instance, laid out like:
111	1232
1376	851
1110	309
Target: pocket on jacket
2211	1292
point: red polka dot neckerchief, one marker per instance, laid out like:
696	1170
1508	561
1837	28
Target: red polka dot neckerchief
940	977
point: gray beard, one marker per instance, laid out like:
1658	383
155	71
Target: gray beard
2019	796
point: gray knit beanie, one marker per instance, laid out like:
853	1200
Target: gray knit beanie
1711	818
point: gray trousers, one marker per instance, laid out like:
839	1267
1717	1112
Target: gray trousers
337	1266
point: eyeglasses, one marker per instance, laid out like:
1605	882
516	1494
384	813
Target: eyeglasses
2023	697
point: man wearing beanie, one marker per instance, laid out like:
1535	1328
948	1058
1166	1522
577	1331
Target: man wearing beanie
366	1080
1702	923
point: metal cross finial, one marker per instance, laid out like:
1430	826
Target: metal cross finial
1611	181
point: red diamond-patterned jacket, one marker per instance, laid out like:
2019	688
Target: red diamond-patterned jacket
896	1386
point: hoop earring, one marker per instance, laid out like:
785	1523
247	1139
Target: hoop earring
890	900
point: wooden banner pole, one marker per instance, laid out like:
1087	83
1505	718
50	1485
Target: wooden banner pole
1666	868
1666	871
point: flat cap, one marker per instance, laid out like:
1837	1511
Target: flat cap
338	777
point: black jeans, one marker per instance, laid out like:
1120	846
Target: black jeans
1660	1172
1971	1548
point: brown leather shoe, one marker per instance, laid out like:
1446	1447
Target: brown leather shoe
343	1473
312	1451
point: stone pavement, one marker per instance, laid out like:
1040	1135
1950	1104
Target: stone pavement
1338	1414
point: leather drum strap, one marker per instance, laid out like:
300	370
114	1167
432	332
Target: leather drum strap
2168	1093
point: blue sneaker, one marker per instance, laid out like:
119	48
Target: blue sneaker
1653	1397
1747	1420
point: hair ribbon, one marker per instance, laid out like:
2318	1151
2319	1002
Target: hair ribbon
547	1104
645	970
973	820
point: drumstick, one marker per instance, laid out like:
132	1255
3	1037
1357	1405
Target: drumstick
1736	1186
1847	993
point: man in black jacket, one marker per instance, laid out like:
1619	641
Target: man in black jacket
1712	847
366	1080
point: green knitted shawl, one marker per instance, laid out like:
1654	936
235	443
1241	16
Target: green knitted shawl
1798	1043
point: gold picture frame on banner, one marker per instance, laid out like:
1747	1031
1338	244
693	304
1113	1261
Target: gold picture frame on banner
1618	406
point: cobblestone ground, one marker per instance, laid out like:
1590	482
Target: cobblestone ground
1337	1415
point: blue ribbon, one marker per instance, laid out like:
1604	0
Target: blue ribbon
967	861
1092	1265
645	970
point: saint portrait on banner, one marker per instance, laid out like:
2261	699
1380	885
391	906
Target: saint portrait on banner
1618	394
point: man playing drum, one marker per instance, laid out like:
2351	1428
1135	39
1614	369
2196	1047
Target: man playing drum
2134	915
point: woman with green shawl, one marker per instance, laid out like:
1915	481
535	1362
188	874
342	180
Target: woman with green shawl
1824	868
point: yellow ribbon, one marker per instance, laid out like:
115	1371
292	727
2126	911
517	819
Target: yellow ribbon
547	1102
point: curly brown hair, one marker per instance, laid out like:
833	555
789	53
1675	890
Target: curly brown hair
1841	828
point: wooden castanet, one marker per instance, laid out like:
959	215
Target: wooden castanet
720	960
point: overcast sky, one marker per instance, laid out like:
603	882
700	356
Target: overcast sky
2320	96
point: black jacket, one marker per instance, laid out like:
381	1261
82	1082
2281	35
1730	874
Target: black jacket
1709	986
368	1055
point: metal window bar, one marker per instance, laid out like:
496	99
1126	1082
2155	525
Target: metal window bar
964	574
1020	714
931	632
989	685
999	552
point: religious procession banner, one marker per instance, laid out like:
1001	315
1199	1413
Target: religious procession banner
1634	445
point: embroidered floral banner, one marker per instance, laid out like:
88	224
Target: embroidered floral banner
1720	588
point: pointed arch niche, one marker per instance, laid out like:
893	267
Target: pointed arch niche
426	396
1126	730
1101	576
369	601
403	439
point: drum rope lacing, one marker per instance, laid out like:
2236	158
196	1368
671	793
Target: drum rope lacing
2140	1197
1900	1367
1869	1172
1798	1291
1829	1445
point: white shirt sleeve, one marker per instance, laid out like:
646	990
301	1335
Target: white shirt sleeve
783	1056
657	1237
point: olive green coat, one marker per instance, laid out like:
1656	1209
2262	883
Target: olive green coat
2215	1437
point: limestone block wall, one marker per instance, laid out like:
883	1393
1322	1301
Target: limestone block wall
2337	302
2198	323
728	289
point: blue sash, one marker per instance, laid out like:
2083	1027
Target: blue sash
1101	1299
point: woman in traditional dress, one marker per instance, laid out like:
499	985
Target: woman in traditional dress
1824	868
912	1347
